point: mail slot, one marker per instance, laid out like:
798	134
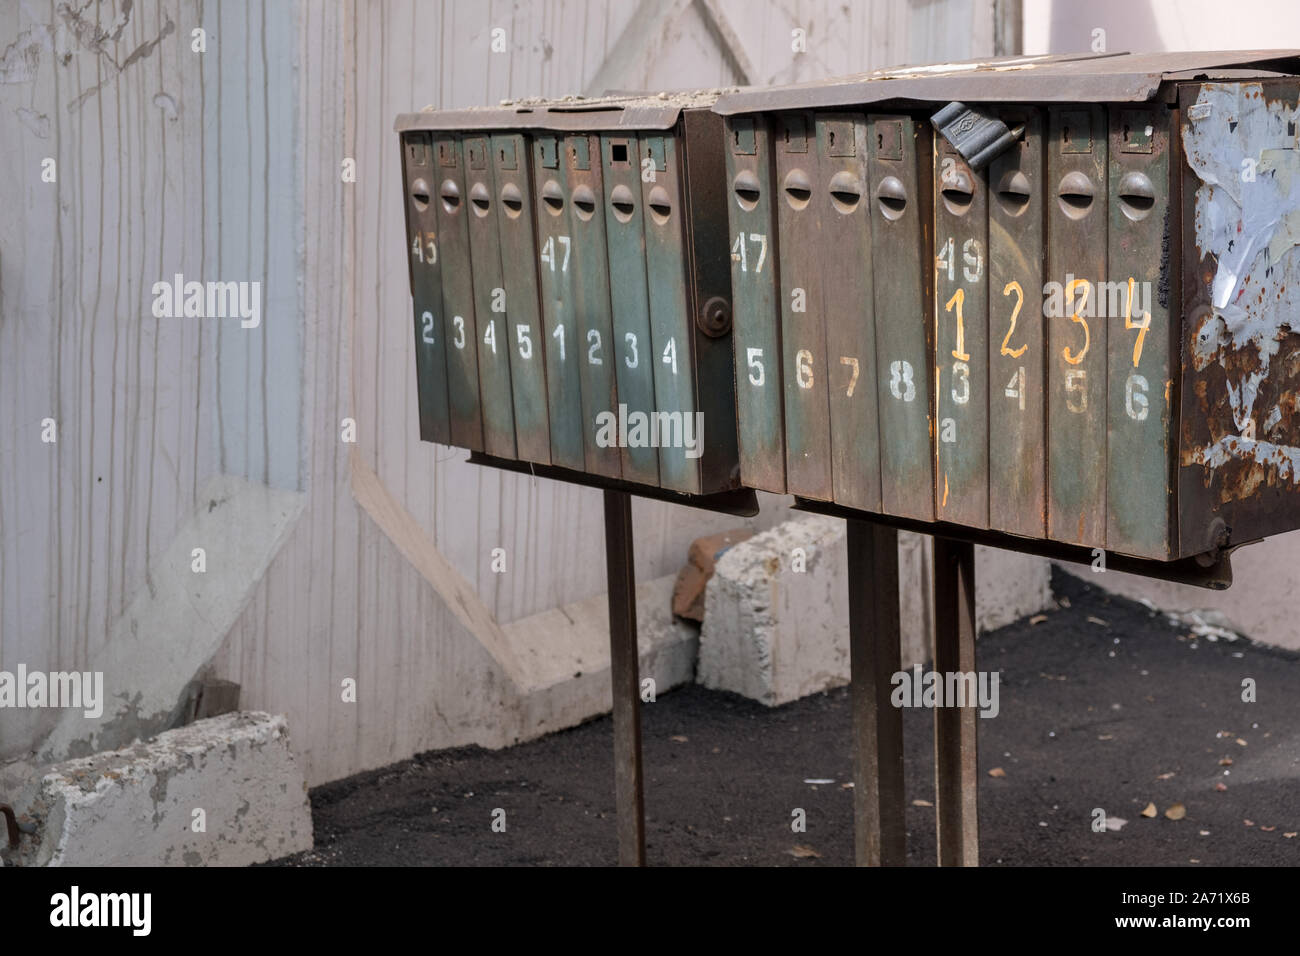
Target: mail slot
1076	278
580	293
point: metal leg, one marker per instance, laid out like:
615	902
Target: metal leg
877	725
955	765
620	577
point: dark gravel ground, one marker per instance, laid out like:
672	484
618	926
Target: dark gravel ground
1103	705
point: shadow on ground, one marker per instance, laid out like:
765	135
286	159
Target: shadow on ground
1104	705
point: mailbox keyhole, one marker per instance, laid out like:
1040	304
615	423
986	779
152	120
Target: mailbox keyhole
746	190
584	201
450	196
1076	193
661	206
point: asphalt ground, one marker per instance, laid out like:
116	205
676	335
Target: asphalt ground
1103	706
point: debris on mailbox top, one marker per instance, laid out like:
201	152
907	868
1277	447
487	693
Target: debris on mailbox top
1080	77
614	110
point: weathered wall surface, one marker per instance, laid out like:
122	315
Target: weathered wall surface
226	165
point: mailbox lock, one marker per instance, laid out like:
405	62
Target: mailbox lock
715	317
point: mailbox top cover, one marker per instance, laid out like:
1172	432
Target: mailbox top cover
613	111
1047	78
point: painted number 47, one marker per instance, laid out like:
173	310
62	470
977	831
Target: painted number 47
738	253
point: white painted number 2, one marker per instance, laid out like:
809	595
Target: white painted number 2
593	351
427	318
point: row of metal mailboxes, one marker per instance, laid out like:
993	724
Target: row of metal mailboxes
1000	345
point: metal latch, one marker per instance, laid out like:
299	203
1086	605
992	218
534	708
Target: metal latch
978	136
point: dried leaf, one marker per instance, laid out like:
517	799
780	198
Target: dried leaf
1063	602
1097	620
1115	823
1176	812
818	780
1150	811
1268	829
1106	737
1166	776
801	852
1249	823
922	803
1225	762
1221	786
681	739
1240	742
1038	619
1290	835
997	772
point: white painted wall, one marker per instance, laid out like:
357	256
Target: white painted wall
225	165
1266	574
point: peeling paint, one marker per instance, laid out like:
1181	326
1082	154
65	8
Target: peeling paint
1243	148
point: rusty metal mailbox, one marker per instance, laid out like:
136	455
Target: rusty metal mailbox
569	275
1100	348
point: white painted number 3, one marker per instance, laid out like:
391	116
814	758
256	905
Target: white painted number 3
459	322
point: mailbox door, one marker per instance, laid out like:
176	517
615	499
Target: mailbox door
757	330
524	338
489	300
555	271
1017	360
671	324
1139	502
961	339
1076	377
803	331
589	275
425	274
631	349
841	201
459	331
902	236
709	312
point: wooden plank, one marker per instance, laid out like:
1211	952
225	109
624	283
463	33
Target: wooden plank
956	764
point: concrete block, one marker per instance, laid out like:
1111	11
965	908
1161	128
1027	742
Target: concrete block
564	654
771	632
776	635
141	805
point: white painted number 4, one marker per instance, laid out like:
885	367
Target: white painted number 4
738	253
548	252
670	354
